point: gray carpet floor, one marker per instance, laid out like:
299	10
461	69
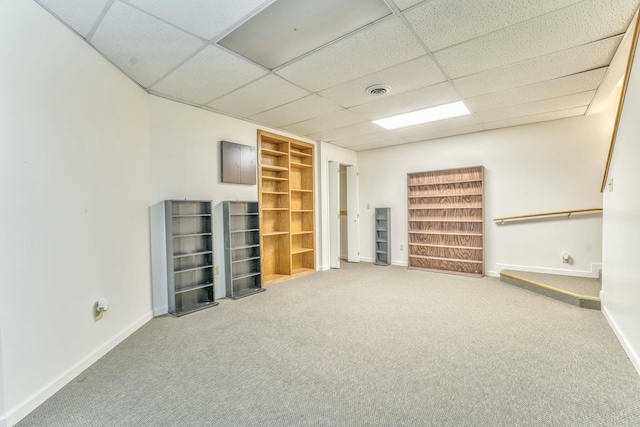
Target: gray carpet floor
362	346
578	285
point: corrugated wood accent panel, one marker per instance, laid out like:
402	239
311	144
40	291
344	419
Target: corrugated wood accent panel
446	220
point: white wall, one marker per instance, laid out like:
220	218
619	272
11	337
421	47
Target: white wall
3	421
528	169
328	152
621	228
74	179
185	161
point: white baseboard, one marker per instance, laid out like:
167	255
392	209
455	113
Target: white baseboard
13	415
323	268
372	260
492	273
594	273
162	310
633	356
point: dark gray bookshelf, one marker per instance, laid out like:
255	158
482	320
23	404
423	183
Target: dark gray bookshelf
242	249
383	234
189	243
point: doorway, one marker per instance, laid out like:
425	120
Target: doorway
344	218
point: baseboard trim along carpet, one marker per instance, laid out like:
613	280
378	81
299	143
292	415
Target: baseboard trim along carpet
12	416
633	356
163	310
393	262
593	273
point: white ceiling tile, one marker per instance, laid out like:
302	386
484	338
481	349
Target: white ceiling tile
442	93
374	145
405	4
558	64
425	128
210	74
363	128
545	106
444	133
297	111
569	27
329	121
404	77
554	115
81	15
205	18
442	23
288	29
268	92
140	45
369	50
582	82
384	135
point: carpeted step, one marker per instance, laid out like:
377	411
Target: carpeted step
577	291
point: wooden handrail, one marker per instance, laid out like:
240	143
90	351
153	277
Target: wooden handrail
632	54
538	215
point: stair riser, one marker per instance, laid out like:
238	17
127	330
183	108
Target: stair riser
559	296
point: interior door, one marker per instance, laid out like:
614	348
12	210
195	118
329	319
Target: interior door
334	215
353	216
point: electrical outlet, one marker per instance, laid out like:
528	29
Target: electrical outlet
217	270
368	205
402	247
97	315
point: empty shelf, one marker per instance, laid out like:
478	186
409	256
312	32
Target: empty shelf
446	259
192	254
299	165
301	250
274	168
191	235
202	267
245	259
244	276
275	233
245	231
245	247
275	153
194	288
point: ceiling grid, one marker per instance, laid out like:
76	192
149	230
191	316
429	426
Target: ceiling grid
511	62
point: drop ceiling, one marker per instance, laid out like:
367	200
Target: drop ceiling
303	66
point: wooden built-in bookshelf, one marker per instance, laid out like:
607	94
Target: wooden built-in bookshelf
287	209
446	221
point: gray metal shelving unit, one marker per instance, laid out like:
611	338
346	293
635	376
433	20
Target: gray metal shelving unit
189	245
242	248
383	235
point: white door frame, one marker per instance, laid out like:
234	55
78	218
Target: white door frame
353	215
334	214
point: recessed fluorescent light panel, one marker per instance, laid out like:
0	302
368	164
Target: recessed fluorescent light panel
441	112
287	29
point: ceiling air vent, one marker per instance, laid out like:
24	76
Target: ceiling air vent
378	90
